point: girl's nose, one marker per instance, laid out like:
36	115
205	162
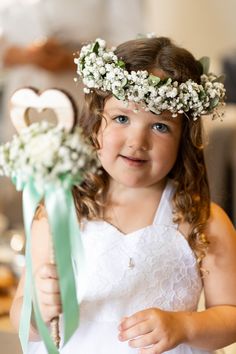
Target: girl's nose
139	140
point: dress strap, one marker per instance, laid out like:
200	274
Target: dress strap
164	213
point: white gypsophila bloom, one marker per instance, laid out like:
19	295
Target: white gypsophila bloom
162	91
101	42
86	90
99	62
42	149
102	71
110	75
101	68
90	83
49	154
172	92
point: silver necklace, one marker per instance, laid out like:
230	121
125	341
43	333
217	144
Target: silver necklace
131	263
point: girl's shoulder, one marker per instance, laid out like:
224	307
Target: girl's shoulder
219	225
219	229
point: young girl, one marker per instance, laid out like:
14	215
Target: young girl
152	239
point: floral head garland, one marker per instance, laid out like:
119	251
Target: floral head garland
101	69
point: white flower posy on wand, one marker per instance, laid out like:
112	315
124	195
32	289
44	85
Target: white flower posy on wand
45	161
48	154
101	69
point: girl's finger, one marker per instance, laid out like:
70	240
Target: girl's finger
158	348
49	286
139	329
48	271
134	319
144	341
52	299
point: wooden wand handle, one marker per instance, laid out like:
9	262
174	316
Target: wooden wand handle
54	324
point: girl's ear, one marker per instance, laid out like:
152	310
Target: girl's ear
98	140
99	135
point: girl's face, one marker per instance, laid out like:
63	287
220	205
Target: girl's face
137	149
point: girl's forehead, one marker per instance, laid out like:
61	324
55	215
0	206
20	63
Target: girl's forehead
115	106
113	103
158	72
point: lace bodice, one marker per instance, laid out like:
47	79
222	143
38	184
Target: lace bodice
151	267
143	267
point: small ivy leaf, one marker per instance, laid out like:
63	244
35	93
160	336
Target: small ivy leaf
201	95
167	81
95	47
121	63
153	80
124	82
214	102
221	79
205	62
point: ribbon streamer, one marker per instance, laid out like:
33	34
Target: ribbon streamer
66	239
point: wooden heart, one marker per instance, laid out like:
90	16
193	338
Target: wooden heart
34	116
56	100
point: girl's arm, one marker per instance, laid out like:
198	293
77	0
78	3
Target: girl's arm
216	327
45	278
211	329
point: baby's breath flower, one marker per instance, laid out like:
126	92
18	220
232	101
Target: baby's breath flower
100	68
47	154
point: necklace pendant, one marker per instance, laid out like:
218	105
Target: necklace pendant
131	263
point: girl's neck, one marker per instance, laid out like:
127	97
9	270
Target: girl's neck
119	194
131	209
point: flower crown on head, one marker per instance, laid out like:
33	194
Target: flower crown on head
101	69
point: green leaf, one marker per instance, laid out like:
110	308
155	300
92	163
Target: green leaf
124	82
82	63
153	80
205	62
214	102
201	95
221	79
168	81
95	47
121	63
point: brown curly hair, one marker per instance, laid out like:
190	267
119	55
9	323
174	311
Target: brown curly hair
191	202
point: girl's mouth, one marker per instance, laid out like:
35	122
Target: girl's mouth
133	161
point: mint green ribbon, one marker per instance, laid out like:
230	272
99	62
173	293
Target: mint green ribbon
66	241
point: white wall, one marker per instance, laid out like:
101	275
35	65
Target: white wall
205	27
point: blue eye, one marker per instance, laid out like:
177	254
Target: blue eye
121	119
161	127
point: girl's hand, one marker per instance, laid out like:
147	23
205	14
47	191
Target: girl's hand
48	293
153	328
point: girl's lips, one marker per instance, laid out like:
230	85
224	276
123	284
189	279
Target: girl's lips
133	161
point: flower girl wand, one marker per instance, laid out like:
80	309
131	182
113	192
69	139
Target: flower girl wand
45	161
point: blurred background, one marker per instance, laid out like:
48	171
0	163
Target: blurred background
37	42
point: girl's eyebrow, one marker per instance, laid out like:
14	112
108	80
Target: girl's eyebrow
118	109
166	118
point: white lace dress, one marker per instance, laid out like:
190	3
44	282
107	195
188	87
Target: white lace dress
150	267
